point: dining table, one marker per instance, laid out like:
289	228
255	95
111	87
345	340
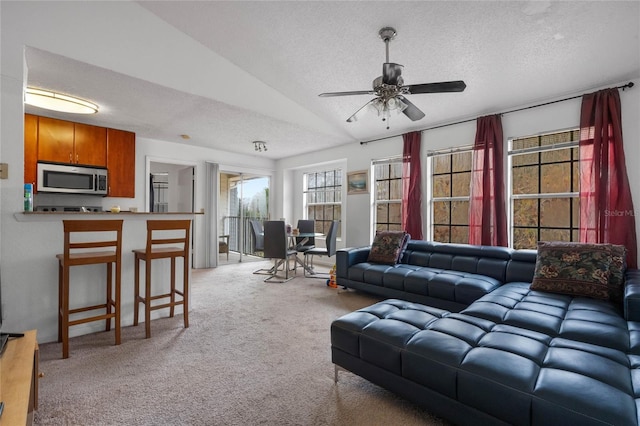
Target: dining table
305	238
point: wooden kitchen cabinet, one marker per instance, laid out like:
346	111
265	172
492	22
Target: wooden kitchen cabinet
30	148
121	162
67	142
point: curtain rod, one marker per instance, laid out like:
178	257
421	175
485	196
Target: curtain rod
623	87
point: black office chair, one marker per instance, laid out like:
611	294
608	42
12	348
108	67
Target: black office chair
317	251
258	238
276	247
305	243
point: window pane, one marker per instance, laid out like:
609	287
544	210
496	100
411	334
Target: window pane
525	180
396	190
441	164
382	190
525	143
555	235
441	234
395	213
396	170
460	234
311	182
555	178
554	213
442	186
525	238
329	178
525	159
525	212
395	227
461	161
382	213
459	212
317	215
460	184
555	156
441	212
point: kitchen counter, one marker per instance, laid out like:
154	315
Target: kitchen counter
46	216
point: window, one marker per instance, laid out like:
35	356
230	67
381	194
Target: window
388	194
545	185
323	198
450	179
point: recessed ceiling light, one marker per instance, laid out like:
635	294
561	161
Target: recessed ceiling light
58	102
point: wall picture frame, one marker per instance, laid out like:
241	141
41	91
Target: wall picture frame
358	182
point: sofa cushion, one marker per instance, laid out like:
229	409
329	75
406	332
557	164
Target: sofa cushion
577	269
387	247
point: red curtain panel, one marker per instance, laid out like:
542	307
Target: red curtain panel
411	185
487	207
606	207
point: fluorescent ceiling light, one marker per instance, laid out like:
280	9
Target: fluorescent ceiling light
58	102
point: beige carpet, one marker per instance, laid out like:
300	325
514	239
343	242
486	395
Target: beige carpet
255	353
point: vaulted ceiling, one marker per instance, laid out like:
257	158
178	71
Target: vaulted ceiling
509	53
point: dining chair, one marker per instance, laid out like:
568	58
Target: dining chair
258	238
276	247
305	243
329	251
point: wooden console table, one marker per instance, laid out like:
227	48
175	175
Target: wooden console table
19	380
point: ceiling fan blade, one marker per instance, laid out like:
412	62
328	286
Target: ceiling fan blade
444	86
411	111
391	73
359	112
357	92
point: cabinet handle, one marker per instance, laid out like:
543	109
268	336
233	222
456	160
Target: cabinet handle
77	158
70	158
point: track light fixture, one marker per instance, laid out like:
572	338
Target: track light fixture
259	146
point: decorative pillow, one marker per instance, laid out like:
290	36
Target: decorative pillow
387	247
616	272
577	269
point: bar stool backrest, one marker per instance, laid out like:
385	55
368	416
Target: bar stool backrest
161	240
106	228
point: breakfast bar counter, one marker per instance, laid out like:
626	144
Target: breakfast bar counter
41	234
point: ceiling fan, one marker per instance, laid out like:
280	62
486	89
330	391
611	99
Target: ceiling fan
390	90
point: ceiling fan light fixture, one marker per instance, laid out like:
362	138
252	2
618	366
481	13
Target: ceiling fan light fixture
58	102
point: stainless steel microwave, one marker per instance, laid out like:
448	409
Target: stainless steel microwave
72	179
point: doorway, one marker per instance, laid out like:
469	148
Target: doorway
243	197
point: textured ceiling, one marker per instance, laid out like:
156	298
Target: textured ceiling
509	54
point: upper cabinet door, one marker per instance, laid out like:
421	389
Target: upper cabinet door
55	140
121	161
90	145
30	148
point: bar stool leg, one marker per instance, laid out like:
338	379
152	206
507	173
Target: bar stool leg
65	312
136	289
185	289
172	296
109	301
60	278
147	298
118	300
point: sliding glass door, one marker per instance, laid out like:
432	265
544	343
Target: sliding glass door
243	197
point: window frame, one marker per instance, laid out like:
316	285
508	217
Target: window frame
374	191
337	189
540	196
430	181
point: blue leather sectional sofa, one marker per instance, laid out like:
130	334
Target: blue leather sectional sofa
465	337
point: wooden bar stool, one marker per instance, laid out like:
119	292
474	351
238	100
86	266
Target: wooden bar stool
87	253
161	246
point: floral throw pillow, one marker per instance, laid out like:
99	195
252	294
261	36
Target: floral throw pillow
577	269
387	247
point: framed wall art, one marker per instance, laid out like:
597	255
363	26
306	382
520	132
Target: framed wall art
358	182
